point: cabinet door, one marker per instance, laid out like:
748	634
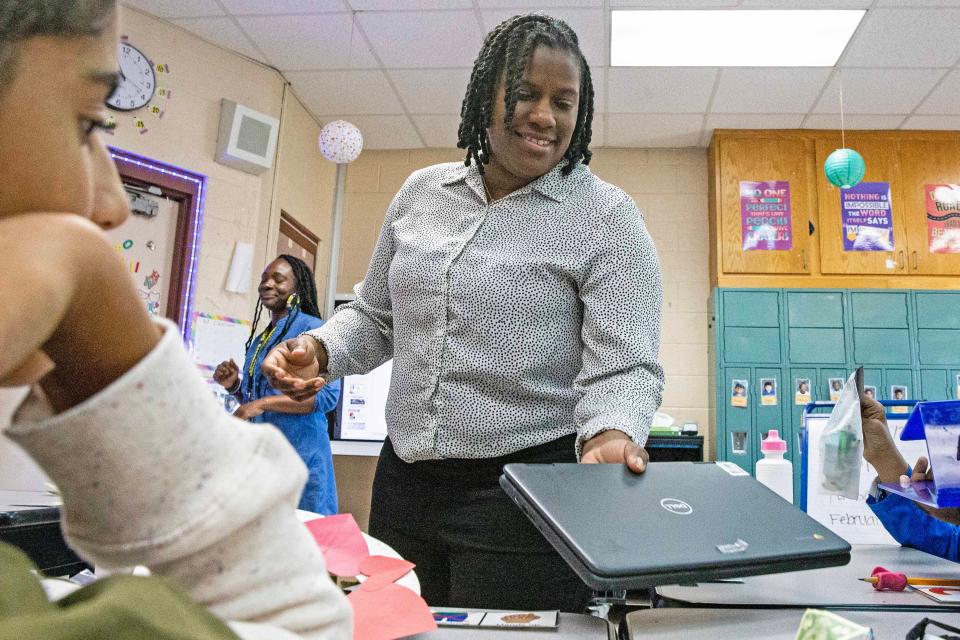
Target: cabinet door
925	162
881	158
736	440
935	384
766	159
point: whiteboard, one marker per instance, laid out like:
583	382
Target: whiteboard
216	338
852	520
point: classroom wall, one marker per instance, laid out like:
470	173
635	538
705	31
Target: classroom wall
670	187
239	206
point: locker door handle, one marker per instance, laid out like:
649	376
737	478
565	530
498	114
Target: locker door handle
913	260
901	260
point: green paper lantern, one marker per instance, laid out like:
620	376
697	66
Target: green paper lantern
844	168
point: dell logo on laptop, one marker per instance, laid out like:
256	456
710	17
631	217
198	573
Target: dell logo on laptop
676	506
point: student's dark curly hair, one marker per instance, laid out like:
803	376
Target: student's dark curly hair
506	52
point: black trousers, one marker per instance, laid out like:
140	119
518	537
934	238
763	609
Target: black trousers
472	545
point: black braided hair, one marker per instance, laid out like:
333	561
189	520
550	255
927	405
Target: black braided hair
304	299
506	52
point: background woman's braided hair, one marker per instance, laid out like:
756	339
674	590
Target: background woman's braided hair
506	51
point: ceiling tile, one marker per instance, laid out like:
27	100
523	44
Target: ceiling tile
878	90
753	121
423	38
672	4
950	123
905	38
438	91
383	132
852	121
659	89
588	24
913	3
534	5
945	99
278	7
768	90
353	92
222	32
438	131
177	8
648	130
408	5
806	4
298	42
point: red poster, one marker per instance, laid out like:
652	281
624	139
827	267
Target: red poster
943	217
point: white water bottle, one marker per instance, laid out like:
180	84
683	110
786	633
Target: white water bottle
773	471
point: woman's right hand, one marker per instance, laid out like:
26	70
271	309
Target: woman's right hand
878	446
227	373
293	367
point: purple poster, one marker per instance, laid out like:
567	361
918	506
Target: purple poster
867	217
765	216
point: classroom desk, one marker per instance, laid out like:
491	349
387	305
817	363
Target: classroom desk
572	626
770	624
834	587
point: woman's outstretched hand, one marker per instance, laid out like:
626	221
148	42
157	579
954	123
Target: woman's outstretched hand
293	367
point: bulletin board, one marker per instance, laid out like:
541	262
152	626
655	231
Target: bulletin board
215	338
852	520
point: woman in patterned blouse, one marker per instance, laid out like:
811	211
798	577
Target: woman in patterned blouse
519	296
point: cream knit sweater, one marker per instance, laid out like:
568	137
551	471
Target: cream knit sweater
153	472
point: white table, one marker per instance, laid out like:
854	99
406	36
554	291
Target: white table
834	587
769	624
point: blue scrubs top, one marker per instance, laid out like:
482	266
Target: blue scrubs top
306	432
911	526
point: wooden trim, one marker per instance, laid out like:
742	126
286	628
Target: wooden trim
299	227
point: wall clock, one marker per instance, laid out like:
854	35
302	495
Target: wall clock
138	81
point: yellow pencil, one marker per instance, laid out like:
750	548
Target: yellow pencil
938	582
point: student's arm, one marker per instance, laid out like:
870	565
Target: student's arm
65	292
911	526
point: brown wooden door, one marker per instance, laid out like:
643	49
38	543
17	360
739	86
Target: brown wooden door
766	159
880	155
927	162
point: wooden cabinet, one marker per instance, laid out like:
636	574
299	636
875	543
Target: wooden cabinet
927	162
766	159
880	155
907	160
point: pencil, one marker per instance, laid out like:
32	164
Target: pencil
938	582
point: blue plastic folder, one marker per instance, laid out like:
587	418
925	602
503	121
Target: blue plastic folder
939	424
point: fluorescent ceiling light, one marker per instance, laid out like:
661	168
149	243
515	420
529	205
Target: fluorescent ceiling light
730	38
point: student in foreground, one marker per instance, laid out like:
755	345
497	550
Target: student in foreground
152	470
935	531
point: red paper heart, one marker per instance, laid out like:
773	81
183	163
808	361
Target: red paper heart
388	613
383	571
341	542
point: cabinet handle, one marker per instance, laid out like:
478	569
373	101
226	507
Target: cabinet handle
913	257
803	257
901	260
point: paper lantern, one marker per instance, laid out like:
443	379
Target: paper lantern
340	142
844	168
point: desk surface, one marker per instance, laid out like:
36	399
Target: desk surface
770	624
832	587
572	625
28	508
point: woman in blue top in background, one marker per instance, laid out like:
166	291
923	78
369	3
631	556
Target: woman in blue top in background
288	291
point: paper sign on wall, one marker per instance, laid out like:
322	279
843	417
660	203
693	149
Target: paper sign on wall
766	216
216	338
943	217
867	217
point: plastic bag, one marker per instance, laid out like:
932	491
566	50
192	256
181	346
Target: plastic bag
841	446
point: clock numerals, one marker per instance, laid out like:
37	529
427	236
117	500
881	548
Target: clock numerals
138	80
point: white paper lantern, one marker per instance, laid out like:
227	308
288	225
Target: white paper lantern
340	142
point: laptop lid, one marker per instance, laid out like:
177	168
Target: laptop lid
678	522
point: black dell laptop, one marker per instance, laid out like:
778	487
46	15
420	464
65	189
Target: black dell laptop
680	522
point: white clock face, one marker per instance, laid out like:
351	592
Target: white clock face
137	79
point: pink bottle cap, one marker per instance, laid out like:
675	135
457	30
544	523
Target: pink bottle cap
773	442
